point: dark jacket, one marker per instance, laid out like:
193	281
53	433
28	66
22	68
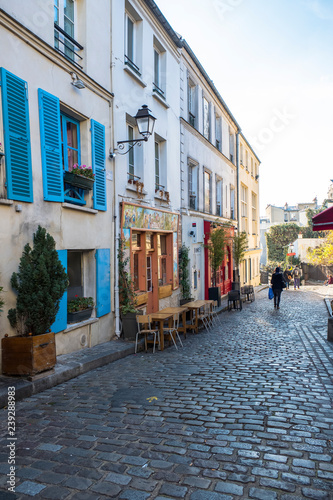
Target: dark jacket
276	281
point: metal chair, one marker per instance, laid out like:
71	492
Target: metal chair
214	315
173	329
143	321
204	316
234	300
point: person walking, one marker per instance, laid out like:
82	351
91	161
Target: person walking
278	284
297	277
287	277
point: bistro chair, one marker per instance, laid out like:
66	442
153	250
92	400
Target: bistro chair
143	321
234	300
204	316
215	316
172	331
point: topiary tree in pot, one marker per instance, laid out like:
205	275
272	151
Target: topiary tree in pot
184	274
39	283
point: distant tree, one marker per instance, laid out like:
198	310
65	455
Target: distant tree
308	231
323	254
240	245
278	238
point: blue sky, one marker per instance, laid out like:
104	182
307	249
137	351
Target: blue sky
272	62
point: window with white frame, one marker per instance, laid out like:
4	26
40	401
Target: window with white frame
160	164
64	29
256	171
232	203
219	191
254	213
232	146
191	99
252	166
193	192
206	125
157	167
218	132
244	201
247	160
131	160
207	191
159	83
133	36
241	154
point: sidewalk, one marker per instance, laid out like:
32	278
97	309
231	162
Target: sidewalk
72	365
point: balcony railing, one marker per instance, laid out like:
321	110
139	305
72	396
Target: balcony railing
132	65
193	201
191	119
158	90
67	46
218	209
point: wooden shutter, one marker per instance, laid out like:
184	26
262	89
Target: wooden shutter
98	164
60	323
50	139
15	109
103	282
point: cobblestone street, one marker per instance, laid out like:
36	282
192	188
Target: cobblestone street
242	412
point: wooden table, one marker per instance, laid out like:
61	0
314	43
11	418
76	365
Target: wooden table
178	310
195	306
161	317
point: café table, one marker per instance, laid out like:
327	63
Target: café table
160	318
178	310
195	307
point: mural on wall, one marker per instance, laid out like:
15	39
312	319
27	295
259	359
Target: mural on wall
147	218
137	217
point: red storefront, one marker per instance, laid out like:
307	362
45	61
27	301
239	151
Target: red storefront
225	273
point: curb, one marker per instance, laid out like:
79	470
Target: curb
67	367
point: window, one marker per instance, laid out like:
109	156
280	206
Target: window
218	132
219	188
130	136
64	29
70	142
244	214
206	125
256	171
157	166
133	37
232	146
232	203
191	96
207	192
149	275
162	259
247	160
75	278
252	167
241	154
254	213
193	186
159	69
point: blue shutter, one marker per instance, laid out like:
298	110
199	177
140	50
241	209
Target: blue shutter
15	110
50	139
103	282
60	323
98	164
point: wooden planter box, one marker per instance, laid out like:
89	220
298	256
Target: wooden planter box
28	355
164	291
77	316
79	181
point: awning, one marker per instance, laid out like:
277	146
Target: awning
324	220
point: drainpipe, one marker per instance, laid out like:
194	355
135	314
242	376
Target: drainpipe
238	179
115	203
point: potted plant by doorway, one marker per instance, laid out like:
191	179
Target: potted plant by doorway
127	298
240	245
216	252
40	283
184	275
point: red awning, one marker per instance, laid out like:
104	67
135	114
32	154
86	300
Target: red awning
323	221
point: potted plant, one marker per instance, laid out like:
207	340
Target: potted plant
184	275
40	283
216	252
80	176
240	245
79	309
127	298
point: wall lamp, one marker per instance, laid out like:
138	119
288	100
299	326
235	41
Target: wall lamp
145	122
77	82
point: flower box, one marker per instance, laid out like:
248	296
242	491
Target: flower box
78	316
79	181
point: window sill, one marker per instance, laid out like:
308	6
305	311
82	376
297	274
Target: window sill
160	99
80	209
131	187
4	201
134	75
75	326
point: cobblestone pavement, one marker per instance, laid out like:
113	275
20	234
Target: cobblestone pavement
242	412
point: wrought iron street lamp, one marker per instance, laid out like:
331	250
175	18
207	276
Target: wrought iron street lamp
145	122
